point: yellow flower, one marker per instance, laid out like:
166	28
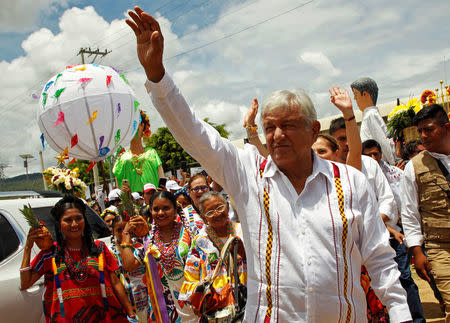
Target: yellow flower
396	110
414	103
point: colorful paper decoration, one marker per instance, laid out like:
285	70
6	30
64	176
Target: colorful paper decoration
60	118
62	156
73	141
94	116
79	106
42	141
91	165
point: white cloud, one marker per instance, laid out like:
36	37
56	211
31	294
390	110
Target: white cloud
321	62
22	15
314	47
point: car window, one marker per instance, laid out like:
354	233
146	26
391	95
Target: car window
98	226
9	241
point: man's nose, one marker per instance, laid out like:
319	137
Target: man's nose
278	134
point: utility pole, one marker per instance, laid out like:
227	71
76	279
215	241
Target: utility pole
96	52
25	158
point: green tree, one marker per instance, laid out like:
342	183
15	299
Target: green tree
86	177
170	152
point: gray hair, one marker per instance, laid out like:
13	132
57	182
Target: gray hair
296	100
209	195
366	84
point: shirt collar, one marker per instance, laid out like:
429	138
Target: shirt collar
366	110
320	166
438	155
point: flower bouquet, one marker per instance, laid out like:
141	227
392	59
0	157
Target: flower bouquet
400	121
65	181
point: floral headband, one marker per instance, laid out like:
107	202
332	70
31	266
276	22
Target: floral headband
146	122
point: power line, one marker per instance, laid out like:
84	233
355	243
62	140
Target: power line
28	91
220	18
127	29
235	33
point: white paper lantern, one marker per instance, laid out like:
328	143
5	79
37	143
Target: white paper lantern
90	110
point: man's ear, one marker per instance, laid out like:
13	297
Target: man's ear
367	96
315	128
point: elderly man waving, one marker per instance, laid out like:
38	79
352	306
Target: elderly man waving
308	224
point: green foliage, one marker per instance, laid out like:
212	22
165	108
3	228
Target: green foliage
88	178
400	121
170	152
29	215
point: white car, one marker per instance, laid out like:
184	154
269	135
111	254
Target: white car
26	306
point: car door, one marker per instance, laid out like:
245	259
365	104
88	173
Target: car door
16	305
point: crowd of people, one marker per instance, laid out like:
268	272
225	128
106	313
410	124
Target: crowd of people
309	227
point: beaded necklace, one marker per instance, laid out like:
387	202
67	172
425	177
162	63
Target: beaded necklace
77	270
137	164
59	291
167	250
216	239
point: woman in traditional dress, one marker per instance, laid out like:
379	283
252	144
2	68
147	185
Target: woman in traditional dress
80	279
207	245
139	165
133	281
164	253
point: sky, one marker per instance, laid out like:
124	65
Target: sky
221	54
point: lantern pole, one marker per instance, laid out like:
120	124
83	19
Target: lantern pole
43	169
96	52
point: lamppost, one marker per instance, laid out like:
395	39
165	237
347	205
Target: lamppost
25	158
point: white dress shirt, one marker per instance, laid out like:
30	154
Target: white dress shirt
383	192
411	219
307	264
373	127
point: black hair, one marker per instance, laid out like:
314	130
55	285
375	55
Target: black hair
336	124
168	195
64	204
144	211
410	149
435	112
370	143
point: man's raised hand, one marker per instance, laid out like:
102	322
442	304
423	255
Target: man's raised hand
341	99
150	43
250	116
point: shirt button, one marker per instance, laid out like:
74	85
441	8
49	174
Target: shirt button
309	262
302	232
310	290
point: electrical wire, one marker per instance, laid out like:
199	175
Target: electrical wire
234	33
